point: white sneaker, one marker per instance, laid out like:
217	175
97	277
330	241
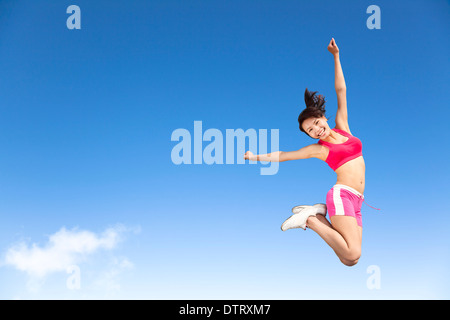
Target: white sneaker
297	209
321	208
298	220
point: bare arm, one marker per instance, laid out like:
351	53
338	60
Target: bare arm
340	87
310	151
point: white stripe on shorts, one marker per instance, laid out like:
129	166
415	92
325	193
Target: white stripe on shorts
338	205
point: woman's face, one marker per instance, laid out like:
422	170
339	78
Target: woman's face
316	128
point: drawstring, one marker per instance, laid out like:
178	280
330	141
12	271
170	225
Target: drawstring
369	204
355	192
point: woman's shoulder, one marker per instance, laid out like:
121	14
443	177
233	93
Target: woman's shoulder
343	130
321	151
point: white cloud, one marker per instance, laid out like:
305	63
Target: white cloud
108	281
63	249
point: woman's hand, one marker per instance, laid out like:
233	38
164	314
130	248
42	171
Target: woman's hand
248	155
332	47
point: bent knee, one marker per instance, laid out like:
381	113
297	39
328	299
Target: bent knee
351	258
349	263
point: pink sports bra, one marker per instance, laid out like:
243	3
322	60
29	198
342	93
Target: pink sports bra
342	152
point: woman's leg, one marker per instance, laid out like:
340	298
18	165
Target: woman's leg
343	235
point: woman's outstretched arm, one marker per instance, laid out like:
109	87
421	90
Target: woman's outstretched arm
339	81
310	151
340	87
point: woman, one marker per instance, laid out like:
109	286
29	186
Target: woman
342	152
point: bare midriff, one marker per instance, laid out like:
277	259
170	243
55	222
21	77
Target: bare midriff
352	174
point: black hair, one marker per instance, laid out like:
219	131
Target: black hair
315	107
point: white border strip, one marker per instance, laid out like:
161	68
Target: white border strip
342	186
338	205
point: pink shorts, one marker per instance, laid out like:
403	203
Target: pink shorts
345	201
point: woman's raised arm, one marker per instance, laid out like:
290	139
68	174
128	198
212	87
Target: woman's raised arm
340	87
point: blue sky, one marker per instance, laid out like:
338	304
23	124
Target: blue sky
86	118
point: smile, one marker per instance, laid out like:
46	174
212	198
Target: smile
321	132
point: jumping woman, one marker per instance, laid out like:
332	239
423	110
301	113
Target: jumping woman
343	153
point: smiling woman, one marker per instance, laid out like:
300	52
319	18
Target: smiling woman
314	112
343	153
